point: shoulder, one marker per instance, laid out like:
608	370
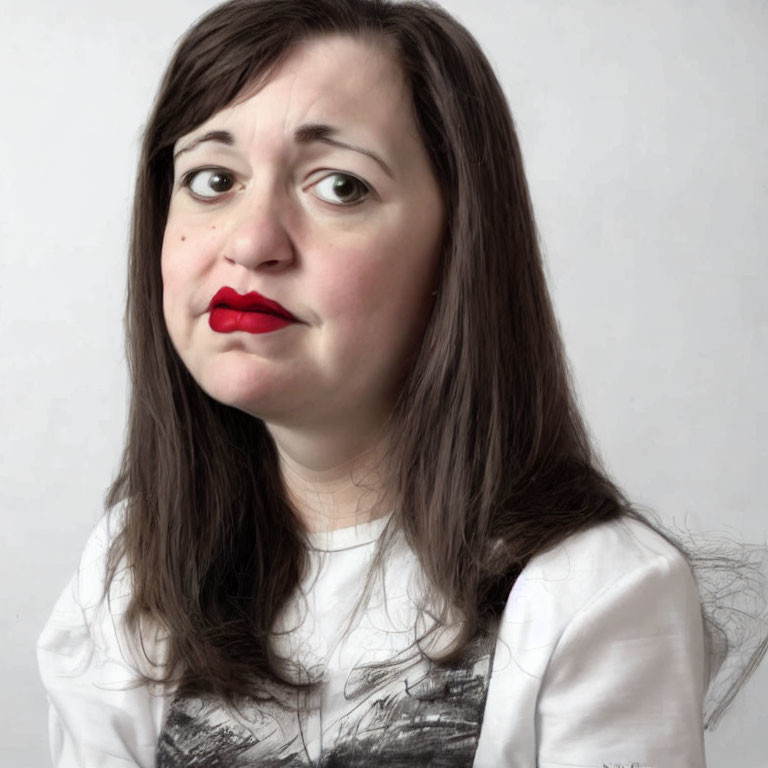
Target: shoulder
621	576
82	600
613	547
604	560
599	635
82	597
91	666
87	623
91	575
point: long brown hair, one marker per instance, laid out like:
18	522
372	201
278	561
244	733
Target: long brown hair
490	459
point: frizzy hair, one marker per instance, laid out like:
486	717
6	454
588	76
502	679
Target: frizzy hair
490	461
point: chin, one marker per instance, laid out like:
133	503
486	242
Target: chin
255	392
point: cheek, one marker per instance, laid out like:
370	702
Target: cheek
182	260
170	267
392	267
378	295
178	265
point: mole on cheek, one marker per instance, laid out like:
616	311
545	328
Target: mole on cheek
183	238
213	226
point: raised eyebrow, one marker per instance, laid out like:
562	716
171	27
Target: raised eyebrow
223	137
309	132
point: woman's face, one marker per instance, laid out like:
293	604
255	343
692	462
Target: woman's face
317	194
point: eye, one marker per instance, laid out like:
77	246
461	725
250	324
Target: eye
341	189
208	183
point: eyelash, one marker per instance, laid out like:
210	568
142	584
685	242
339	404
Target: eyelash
188	179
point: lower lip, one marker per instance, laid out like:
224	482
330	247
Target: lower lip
226	320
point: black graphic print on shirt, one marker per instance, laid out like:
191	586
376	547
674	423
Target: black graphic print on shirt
410	712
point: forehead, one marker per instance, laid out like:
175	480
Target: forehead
342	68
335	78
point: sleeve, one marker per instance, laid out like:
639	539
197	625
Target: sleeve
98	714
625	684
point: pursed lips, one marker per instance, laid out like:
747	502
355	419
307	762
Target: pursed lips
230	311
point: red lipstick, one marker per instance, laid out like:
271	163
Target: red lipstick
253	313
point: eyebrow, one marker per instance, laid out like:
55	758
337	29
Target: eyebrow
223	137
304	134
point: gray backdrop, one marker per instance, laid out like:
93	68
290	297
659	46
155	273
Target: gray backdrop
643	126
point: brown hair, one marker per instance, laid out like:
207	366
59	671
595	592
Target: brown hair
491	461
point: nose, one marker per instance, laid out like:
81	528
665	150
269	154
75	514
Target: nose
258	237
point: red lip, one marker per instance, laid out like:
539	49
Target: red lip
252	312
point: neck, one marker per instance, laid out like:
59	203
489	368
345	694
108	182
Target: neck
333	486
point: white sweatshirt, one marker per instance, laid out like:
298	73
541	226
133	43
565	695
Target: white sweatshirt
598	662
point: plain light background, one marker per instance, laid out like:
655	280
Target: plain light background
643	125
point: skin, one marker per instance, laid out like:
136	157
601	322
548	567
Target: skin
356	264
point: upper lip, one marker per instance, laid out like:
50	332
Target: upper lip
252	302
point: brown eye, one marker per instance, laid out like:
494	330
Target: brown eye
341	189
209	182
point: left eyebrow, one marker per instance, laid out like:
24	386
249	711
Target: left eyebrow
309	132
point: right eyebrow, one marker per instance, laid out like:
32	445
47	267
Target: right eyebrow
223	137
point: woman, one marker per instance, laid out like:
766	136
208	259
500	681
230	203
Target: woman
358	517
